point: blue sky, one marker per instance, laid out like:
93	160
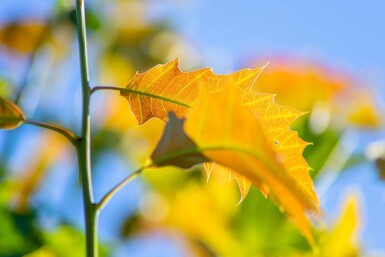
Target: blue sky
346	33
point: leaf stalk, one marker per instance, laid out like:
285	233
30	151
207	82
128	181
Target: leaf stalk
107	197
63	131
143	93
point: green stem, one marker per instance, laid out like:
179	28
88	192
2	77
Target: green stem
63	131
91	213
84	145
174	155
113	191
94	89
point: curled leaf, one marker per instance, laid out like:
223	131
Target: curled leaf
175	147
10	115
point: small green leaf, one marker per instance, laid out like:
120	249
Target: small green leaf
10	115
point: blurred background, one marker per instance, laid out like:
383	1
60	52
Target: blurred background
326	58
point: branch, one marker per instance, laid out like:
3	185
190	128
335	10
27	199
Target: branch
61	130
94	89
84	146
107	197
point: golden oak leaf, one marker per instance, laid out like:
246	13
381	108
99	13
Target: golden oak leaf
165	88
267	153
10	115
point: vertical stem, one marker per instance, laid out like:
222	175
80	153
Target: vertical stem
84	145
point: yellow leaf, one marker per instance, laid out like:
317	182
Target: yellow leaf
23	37
193	211
243	131
166	88
275	121
226	132
243	183
342	239
162	89
10	115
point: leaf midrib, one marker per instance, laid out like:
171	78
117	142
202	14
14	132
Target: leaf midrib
195	150
155	96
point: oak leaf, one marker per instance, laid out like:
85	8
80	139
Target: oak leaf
246	132
165	88
10	115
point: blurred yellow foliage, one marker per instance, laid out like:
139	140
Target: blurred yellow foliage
23	37
362	110
203	213
306	85
342	240
115	70
298	84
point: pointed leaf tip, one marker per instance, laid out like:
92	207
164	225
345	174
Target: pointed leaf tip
208	166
